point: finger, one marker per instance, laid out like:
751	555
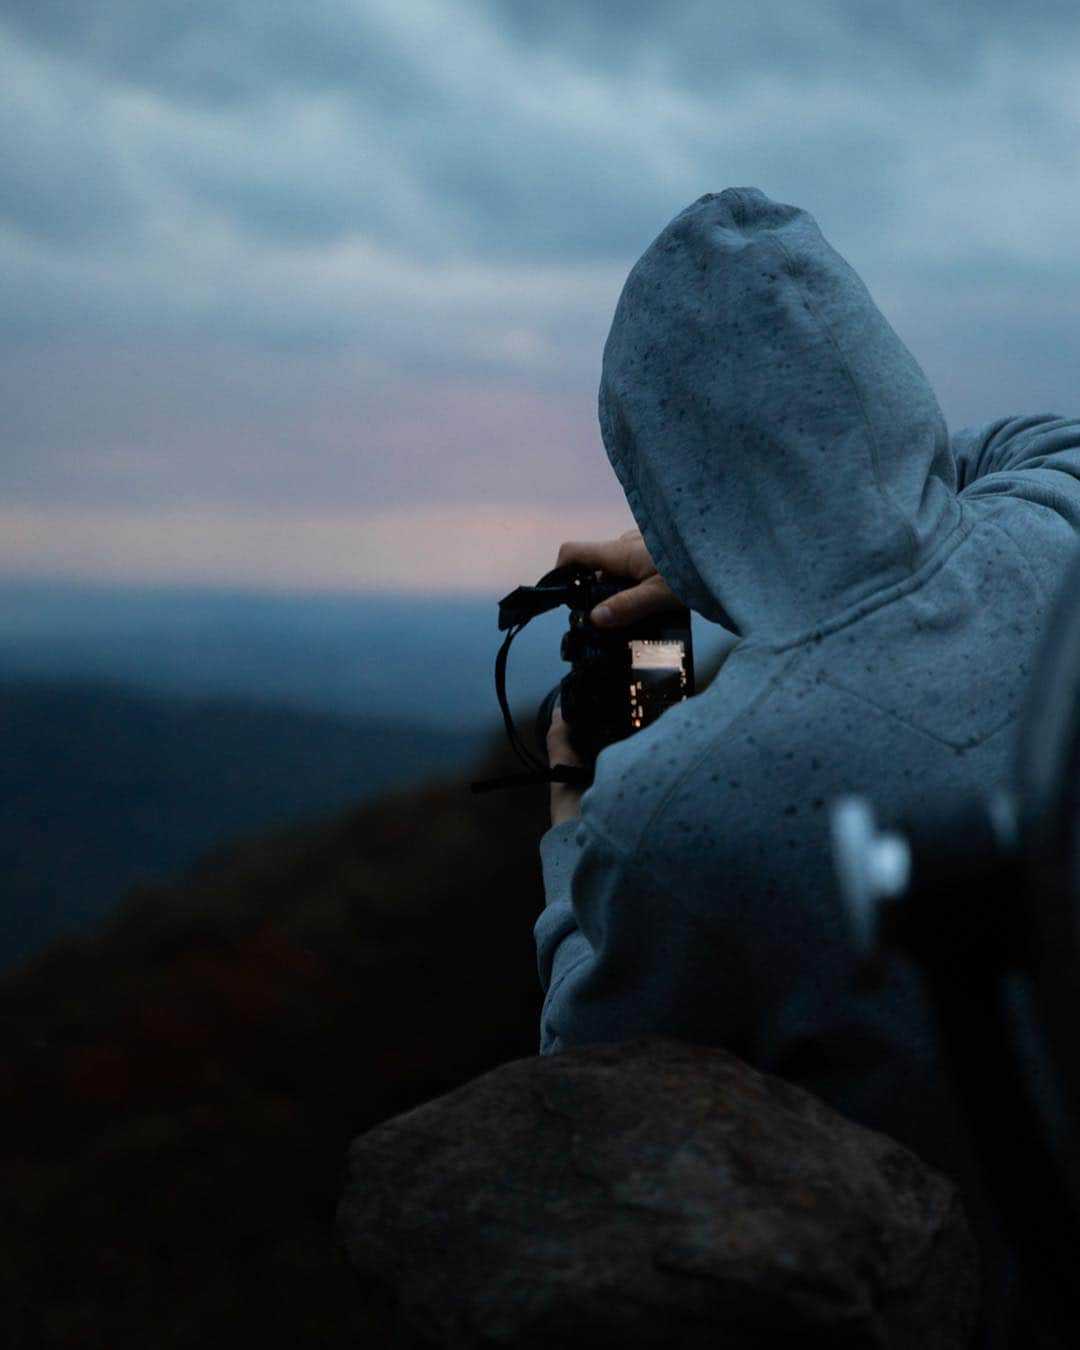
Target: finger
558	737
559	748
557	731
625	556
650	597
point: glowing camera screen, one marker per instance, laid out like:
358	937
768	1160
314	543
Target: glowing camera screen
657	678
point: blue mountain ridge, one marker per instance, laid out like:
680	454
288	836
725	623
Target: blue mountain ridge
144	727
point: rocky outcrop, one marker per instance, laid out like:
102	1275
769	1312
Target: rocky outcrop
652	1193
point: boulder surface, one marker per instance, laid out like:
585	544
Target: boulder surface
652	1193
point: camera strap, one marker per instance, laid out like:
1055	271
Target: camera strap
539	772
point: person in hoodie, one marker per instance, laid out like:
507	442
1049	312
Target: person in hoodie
793	479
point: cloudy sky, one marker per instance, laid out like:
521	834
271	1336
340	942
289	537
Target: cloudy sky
313	293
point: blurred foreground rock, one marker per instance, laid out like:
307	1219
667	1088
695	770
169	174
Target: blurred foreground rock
652	1194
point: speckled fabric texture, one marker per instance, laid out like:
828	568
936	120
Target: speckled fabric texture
789	467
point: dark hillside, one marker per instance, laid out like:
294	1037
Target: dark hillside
103	788
179	1091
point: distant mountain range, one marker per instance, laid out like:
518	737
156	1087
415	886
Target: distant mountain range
103	789
142	727
424	660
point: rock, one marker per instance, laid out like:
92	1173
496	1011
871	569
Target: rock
652	1193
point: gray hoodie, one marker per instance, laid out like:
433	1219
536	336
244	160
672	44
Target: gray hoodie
793	477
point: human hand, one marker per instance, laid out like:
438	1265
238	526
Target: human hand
565	797
626	556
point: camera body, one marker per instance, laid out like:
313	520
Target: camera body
620	679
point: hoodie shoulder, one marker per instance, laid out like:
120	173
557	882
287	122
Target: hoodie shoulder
636	777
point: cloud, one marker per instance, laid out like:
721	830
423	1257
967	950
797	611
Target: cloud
60	184
315	430
449	549
363	256
518	133
698	41
514	132
478	202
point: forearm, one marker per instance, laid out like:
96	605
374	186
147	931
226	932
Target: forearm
611	944
1036	457
558	938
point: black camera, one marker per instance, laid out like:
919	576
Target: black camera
620	680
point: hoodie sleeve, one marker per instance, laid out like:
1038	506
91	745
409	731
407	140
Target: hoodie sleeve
1035	457
560	943
619	956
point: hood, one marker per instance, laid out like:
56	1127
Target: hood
779	447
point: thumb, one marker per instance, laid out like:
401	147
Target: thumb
648	597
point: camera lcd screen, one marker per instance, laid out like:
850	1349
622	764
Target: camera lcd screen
657	678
